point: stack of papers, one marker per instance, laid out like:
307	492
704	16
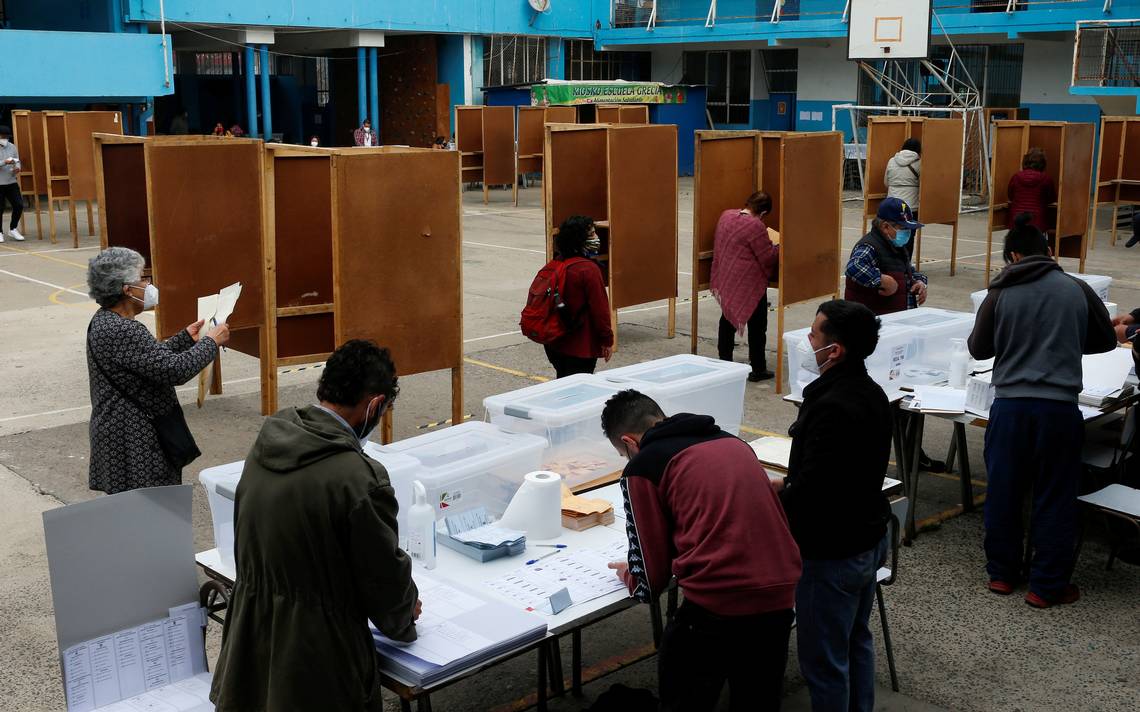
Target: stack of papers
1104	375
457	629
585	573
940	399
477	528
773	451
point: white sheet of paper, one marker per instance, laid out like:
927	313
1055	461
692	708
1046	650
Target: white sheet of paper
207	307
773	451
77	679
175	697
156	667
128	658
941	398
104	670
1105	373
441	637
1088	412
585	572
195	638
227	300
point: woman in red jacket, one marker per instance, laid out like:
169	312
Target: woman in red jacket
590	335
1031	190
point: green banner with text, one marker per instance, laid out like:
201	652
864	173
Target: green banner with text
606	93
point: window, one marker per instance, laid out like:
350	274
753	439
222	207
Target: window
214	63
584	62
728	76
781	69
509	60
323	90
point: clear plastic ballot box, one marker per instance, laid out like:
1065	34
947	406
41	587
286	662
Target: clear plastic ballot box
690	384
895	349
568	413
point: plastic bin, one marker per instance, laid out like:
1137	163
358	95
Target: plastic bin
690	384
465	466
895	348
932	329
221	485
1098	282
568	413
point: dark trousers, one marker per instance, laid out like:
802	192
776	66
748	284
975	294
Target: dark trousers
757	337
837	651
11	193
1033	446
569	365
701	651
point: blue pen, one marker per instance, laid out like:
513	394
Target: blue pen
535	561
551	546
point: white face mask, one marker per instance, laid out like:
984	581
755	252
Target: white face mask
313	144
366	436
150	296
807	356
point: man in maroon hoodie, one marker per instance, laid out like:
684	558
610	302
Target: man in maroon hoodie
699	507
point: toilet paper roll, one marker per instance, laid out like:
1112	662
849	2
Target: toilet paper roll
537	507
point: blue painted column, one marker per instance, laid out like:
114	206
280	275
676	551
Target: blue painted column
374	91
266	102
361	85
555	58
250	93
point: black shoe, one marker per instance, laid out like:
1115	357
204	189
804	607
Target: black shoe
1133	240
928	465
757	376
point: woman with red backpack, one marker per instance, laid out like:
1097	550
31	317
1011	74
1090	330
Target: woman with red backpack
567	310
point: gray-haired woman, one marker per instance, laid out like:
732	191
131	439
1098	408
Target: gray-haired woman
133	375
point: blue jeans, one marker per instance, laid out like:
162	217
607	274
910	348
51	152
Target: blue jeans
837	652
1033	445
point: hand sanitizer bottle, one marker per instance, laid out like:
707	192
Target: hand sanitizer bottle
959	363
421	526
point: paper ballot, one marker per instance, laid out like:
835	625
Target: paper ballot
217	308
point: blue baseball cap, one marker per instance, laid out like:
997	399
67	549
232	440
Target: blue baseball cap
897	212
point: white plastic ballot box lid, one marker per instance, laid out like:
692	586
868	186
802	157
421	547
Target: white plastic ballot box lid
553	404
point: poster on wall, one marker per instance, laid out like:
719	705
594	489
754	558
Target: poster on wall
615	92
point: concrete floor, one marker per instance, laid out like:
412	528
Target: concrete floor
957	646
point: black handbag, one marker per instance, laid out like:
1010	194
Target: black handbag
174	436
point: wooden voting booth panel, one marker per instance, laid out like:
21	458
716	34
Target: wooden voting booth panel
561	115
734	162
940	181
499	166
1068	152
621	114
593	171
531	120
55	162
469	141
120	170
802	172
81	126
643	243
22	134
1118	165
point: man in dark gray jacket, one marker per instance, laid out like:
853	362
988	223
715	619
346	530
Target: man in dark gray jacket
1036	322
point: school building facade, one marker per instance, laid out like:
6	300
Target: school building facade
291	69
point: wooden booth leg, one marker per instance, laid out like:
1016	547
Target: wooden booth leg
486	196
90	220
39	218
780	351
515	190
457	395
268	373
953	249
613	327
1115	210
694	316
74	224
673	316
51	219
386	427
216	384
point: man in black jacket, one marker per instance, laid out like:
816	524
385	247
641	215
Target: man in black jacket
1036	323
834	500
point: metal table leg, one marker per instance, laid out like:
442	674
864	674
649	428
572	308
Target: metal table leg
554	660
576	661
542	663
423	703
964	476
919	422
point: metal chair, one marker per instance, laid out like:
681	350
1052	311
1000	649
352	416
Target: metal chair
1117	503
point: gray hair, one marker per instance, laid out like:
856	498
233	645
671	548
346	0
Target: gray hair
109	270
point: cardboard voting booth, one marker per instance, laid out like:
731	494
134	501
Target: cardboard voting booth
125	591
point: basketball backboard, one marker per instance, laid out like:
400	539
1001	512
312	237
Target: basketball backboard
888	29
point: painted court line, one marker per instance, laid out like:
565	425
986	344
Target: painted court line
504	247
16	251
41	282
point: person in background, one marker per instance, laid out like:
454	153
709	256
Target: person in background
10	184
1132	241
833	496
699	507
744	261
881	277
1126	326
132	376
1031	190
589	334
314	141
363	136
440	143
180	124
236	131
903	173
1036	322
317	552
219	130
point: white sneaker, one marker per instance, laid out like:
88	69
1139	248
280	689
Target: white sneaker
15	234
1	235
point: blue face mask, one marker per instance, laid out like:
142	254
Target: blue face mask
901	238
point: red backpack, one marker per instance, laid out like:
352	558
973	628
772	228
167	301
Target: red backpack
544	316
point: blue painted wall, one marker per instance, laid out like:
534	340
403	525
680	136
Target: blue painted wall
449	63
506	96
570	18
688	117
1087	113
81	64
61	15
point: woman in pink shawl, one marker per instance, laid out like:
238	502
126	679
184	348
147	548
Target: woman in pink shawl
744	260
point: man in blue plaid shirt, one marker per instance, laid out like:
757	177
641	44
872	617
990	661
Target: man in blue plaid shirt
879	271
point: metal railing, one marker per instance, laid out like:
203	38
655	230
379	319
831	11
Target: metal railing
1107	54
649	14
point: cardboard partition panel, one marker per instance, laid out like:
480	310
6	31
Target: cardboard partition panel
469	141
621	114
120	187
81	126
561	115
531	120
1074	190
499	166
579	184
1118	171
802	172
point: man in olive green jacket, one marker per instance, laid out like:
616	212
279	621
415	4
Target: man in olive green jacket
317	553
